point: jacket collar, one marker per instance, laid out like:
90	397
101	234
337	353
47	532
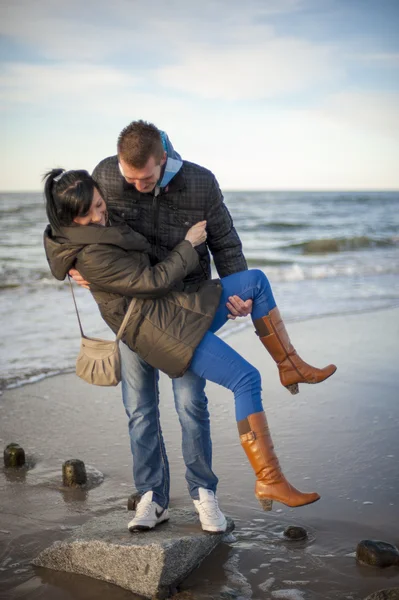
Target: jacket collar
175	185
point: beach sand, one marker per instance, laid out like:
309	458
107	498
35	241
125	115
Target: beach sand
339	438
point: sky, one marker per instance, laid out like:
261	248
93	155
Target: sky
267	94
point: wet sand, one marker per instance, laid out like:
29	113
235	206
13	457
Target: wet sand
339	438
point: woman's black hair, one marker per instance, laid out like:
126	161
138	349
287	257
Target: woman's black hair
68	194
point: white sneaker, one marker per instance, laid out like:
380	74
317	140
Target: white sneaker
211	517
148	514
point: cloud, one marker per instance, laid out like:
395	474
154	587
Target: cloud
260	109
365	110
206	51
93	31
68	84
254	70
382	58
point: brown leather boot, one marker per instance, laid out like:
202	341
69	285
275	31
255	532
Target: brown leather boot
293	370
271	483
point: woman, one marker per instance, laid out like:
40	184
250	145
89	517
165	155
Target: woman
170	329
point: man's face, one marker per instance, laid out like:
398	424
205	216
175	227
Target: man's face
144	179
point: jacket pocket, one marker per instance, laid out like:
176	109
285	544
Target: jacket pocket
124	208
184	218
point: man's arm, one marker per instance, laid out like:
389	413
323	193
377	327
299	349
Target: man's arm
223	240
226	247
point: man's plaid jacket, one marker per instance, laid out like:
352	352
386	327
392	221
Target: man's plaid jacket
193	195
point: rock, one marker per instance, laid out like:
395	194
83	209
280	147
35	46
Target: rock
377	554
390	594
74	473
294	532
151	564
14	455
133	501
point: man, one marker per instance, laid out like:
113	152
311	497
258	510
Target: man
161	196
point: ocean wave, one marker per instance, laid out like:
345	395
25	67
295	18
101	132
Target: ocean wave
14	278
275	226
14	210
278	269
344	244
260	261
15	381
300	272
363	197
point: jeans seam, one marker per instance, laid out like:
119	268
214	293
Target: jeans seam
165	477
208	480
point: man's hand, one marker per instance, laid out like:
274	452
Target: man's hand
76	276
238	308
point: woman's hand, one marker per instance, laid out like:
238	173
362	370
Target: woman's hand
197	234
76	276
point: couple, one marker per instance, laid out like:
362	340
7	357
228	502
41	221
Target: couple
141	227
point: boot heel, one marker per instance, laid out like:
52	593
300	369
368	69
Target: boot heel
293	388
266	504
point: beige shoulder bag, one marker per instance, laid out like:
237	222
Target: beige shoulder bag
99	361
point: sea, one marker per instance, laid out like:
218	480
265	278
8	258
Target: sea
325	253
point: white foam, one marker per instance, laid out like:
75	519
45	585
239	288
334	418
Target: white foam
236	578
288	594
229	538
274	560
266	585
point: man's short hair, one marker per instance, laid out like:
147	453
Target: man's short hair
138	142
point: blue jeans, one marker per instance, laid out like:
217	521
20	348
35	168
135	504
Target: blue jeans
141	397
217	361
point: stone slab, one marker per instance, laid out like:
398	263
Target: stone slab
151	564
388	594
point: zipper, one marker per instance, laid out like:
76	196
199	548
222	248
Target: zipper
203	269
155	210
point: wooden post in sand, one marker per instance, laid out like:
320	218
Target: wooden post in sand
74	473
14	456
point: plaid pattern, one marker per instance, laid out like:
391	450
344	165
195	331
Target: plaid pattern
193	195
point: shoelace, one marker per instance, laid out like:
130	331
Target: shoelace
143	509
211	507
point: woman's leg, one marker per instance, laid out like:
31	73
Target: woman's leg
253	284
218	362
249	285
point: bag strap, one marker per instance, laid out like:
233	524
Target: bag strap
76	307
125	318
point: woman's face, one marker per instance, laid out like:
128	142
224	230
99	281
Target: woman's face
97	212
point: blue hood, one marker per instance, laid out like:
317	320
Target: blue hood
173	164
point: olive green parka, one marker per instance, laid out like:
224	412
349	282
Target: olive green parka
166	324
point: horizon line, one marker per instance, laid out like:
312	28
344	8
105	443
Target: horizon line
243	190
